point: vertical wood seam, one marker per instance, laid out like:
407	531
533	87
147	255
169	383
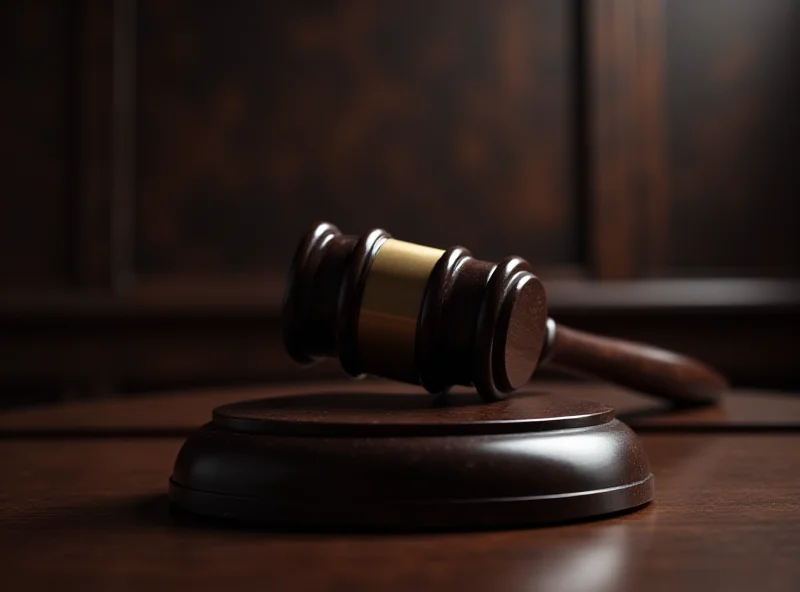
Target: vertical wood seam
123	192
652	125
106	130
627	192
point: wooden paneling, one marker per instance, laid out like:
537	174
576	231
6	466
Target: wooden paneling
106	142
627	183
36	160
734	130
444	122
161	158
214	336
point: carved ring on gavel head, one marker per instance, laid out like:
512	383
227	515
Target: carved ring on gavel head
440	318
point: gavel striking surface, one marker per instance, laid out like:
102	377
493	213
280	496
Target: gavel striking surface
408	460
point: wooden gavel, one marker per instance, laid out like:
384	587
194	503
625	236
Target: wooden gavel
440	318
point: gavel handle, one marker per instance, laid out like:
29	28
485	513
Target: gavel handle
644	368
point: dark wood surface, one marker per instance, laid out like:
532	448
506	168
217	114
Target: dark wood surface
380	413
88	511
160	154
178	413
406	461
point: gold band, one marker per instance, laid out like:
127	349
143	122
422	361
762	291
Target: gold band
387	323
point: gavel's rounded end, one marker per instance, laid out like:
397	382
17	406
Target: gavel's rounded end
519	336
511	329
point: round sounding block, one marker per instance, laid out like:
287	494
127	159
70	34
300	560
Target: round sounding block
361	458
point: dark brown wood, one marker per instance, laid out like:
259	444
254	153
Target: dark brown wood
311	298
733	131
106	142
179	413
480	324
378	460
438	353
690	138
517	344
499	312
338	410
142	136
349	297
642	367
510	329
37	148
229	332
256	119
221	138
91	514
628	187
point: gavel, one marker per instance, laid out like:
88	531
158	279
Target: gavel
440	318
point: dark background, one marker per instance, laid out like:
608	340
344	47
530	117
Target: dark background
161	158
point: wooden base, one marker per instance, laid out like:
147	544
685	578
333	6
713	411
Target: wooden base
356	459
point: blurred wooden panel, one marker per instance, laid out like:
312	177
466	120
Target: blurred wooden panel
35	106
621	136
445	122
106	145
733	90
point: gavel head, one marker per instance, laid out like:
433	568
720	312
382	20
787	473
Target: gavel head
412	313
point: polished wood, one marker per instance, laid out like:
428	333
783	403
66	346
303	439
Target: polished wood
179	413
464	321
470	322
401	461
383	412
638	366
91	513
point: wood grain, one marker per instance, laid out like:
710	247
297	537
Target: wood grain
645	368
249	121
628	184
178	413
733	130
255	120
92	515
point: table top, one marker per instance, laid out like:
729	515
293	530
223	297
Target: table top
83	506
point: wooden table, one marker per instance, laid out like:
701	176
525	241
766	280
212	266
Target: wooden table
83	506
